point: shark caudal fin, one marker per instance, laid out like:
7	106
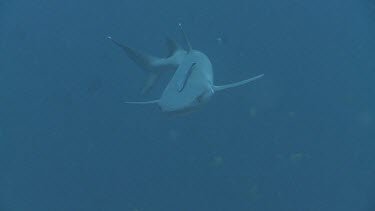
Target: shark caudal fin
227	86
145	61
153	65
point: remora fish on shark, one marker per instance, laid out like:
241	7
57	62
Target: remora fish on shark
192	83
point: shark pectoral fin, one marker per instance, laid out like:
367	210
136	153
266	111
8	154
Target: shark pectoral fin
143	102
227	86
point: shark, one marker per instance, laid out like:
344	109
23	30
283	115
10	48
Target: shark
192	83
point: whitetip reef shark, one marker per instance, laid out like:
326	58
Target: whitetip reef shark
192	84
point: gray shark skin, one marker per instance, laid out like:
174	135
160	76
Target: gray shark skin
192	84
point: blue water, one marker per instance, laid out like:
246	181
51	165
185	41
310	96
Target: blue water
299	139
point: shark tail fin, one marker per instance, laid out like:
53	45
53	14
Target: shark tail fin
227	86
145	61
152	65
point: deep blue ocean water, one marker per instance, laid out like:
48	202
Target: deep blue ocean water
300	139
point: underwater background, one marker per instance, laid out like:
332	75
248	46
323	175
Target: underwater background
302	138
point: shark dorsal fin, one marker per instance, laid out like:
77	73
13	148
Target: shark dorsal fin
185	37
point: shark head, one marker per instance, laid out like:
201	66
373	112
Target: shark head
191	85
192	82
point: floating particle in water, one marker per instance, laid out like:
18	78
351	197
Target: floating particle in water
221	40
217	160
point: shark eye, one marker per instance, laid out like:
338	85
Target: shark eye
193	65
185	75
